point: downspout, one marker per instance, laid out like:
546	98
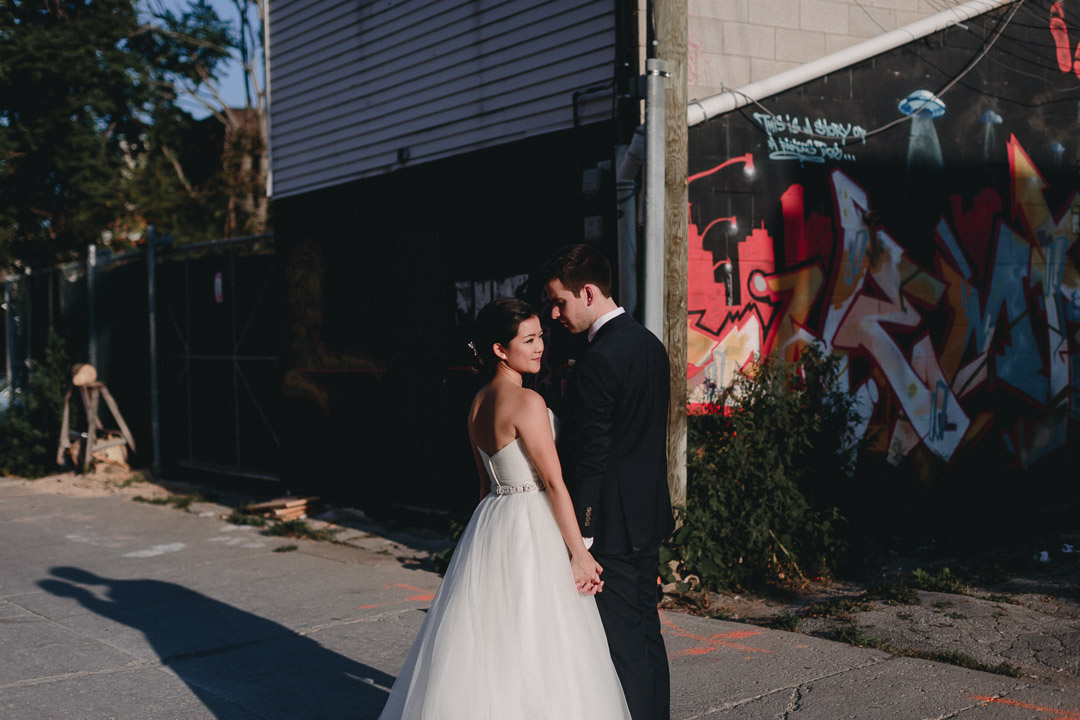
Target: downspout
91	311
266	105
9	335
655	72
699	111
628	159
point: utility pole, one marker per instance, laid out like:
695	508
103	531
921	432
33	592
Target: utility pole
670	19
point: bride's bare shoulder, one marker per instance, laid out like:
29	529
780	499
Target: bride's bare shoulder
530	403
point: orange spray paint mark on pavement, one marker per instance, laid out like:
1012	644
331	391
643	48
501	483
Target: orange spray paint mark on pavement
421	596
1055	714
712	643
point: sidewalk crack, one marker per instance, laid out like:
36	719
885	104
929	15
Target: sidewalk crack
795	703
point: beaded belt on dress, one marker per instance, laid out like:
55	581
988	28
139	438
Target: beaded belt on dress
537	486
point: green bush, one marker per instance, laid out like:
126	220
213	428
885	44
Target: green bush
31	425
763	467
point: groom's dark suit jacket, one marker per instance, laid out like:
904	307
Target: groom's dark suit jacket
616	438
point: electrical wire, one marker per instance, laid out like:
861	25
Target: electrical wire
1004	45
1023	104
1002	24
872	18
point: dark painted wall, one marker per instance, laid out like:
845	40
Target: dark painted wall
382	279
917	214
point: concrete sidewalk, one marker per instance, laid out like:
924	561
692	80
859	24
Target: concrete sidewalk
116	609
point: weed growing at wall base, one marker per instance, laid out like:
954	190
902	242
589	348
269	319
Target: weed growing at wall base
761	470
30	428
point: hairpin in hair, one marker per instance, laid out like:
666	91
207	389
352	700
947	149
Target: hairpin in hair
472	346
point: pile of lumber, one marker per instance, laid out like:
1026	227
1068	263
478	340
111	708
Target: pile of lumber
286	508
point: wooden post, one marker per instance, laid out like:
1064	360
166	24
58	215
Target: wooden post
90	404
671	33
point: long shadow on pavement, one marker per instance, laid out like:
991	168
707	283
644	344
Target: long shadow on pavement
236	663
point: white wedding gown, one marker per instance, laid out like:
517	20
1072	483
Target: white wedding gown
508	636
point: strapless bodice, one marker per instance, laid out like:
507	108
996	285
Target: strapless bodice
510	468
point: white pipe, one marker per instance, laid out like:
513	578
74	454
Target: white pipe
266	106
699	111
628	161
655	72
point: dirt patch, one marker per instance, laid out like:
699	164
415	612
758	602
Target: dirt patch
106	480
1027	625
347	527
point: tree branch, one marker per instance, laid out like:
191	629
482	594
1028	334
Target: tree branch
171	157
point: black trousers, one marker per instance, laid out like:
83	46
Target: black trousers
627	608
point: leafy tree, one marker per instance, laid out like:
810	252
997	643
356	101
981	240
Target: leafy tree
94	143
193	45
73	90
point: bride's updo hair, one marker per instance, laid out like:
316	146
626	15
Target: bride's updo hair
497	322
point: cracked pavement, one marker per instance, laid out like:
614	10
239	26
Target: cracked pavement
115	609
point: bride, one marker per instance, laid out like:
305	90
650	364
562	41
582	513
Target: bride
513	632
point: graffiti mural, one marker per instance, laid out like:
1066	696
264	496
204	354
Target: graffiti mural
939	258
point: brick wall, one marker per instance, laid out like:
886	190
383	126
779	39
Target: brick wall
735	42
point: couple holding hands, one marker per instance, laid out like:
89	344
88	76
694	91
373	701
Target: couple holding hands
516	631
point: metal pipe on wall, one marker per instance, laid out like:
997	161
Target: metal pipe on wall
628	160
702	109
91	324
9	334
151	283
655	72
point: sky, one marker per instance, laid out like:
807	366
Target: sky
232	86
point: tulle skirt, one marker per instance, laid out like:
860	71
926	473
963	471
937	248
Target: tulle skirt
508	636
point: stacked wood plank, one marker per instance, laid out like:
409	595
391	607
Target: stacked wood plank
286	508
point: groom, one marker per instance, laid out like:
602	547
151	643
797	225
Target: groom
616	426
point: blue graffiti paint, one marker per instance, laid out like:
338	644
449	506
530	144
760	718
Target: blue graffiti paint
855	254
954	249
1019	362
939	417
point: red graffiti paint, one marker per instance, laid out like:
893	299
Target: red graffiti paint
975	228
748	159
1059	30
1028	184
805	238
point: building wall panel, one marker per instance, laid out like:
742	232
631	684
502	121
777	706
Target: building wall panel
354	83
732	43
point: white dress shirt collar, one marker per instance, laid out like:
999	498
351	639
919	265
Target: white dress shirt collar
600	321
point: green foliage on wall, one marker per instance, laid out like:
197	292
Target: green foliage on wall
760	472
30	428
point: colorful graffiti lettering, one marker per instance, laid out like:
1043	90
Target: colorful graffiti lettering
997	312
